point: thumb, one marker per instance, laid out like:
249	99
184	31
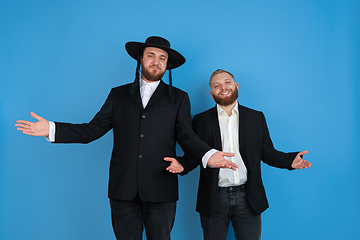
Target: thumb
169	159
35	116
303	153
228	154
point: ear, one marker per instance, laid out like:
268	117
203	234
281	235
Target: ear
211	94
237	86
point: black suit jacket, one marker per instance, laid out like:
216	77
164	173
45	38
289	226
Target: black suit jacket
255	145
142	138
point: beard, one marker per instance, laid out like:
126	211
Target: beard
228	100
149	75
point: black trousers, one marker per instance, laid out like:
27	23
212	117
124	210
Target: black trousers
232	206
129	218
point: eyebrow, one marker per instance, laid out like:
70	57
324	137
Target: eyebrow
161	55
224	80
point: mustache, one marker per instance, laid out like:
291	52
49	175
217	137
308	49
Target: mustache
155	65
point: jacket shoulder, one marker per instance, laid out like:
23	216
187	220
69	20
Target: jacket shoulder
178	91
206	113
249	111
125	87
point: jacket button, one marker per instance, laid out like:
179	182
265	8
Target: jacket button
142	135
140	156
143	116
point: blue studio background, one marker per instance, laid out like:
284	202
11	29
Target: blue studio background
297	61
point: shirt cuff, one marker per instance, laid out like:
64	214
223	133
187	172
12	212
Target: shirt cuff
206	157
51	137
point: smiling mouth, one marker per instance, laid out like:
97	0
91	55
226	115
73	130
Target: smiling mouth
225	93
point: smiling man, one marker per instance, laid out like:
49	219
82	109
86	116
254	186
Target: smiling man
225	195
148	117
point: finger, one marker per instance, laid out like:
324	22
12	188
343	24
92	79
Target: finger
303	164
307	164
23	122
26	132
172	170
232	164
233	168
21	125
23	128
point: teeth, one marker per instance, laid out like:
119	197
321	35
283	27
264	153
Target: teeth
225	93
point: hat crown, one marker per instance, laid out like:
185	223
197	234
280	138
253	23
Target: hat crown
158	41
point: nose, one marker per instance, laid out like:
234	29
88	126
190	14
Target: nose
156	60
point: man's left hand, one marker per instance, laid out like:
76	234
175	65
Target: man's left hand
175	166
217	160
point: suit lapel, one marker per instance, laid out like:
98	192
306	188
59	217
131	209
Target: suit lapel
160	91
242	139
135	93
216	136
216	126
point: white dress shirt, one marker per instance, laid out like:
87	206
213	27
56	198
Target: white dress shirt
229	130
147	90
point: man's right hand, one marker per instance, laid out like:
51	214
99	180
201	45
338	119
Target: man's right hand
39	128
217	160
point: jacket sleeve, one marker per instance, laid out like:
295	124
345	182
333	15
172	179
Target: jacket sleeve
270	155
187	161
186	137
87	132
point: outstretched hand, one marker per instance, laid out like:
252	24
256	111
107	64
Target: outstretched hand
175	166
217	160
300	163
39	128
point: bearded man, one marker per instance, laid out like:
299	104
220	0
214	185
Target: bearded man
148	117
224	195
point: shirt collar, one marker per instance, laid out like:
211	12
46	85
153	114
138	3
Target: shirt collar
222	111
153	85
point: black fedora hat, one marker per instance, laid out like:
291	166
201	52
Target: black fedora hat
133	49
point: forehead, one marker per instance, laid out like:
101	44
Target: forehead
156	51
221	77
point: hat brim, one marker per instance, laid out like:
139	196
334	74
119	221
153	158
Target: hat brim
133	49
